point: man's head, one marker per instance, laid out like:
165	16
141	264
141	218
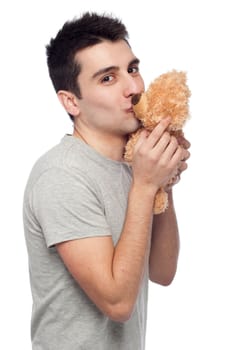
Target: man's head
76	35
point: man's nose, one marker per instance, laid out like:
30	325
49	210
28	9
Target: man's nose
133	86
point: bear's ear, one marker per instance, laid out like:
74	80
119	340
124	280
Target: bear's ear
136	99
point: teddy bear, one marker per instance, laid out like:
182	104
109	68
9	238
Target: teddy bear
167	96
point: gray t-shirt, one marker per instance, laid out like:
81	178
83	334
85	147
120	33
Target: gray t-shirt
74	192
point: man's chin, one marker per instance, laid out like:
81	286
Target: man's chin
137	125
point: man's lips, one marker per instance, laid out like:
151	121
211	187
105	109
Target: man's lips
130	110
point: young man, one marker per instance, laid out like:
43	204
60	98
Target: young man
92	240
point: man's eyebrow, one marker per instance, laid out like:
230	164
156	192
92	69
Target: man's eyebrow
104	70
134	61
115	68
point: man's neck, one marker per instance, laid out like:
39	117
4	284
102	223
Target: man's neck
108	145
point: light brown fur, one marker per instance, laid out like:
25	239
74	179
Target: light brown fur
167	96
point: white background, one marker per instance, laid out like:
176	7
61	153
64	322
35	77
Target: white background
195	311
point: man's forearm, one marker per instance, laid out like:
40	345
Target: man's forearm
132	250
164	246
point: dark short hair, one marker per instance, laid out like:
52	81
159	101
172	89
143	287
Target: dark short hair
88	30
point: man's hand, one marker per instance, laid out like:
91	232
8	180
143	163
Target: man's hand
182	166
157	156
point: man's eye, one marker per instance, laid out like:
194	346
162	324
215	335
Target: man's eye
107	79
133	70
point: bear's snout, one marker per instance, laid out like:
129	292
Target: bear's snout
135	99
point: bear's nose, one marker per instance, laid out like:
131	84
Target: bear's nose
135	99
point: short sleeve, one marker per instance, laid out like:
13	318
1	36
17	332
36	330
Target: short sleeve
68	206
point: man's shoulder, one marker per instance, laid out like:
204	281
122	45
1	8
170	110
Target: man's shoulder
58	155
63	161
51	159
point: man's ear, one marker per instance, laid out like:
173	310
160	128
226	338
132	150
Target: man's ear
69	101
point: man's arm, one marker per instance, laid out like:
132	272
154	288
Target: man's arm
164	246
165	241
109	275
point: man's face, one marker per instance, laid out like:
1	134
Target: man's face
109	78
